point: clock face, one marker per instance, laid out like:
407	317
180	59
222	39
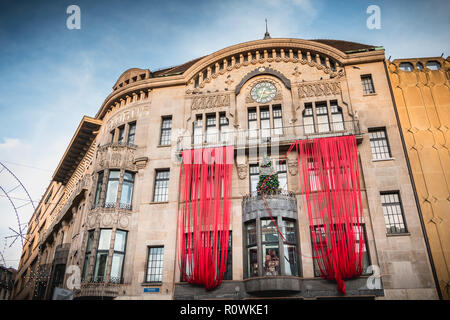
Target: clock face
263	92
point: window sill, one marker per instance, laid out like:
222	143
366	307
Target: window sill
161	202
151	284
163	145
387	159
398	234
369	94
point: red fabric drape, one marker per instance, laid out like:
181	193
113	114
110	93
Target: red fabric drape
205	214
332	199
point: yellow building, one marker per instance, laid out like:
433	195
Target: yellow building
422	98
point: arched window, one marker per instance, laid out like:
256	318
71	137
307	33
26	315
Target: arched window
419	66
433	65
406	66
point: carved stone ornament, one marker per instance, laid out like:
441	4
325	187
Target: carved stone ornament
210	101
293	167
318	89
242	171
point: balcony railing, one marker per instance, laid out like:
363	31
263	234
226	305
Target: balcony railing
281	135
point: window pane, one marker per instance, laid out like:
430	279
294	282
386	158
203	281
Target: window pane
105	238
252	254
367	84
120	241
251	233
393	213
166	129
271	254
379	144
100	266
161	193
254	177
155	264
99	188
269	231
131	133
116	267
290	260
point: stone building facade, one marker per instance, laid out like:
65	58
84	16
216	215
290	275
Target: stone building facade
113	216
7	276
422	99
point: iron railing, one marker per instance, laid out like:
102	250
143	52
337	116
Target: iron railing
281	135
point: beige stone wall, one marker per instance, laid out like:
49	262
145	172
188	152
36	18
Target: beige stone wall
403	261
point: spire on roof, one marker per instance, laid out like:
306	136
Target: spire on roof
267	34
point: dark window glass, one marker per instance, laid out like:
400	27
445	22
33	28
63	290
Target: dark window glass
121	134
367	83
406	66
112	135
131	133
393	213
379	143
166	129
223	127
98	191
155	264
433	65
161	192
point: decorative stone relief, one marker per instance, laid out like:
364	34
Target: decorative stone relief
242	171
115	155
123	221
210	101
292	167
318	89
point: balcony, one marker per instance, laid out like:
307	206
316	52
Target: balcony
283	136
281	203
100	288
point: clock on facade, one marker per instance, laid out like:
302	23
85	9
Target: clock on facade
263	92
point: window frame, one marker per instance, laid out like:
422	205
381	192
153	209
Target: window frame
368	84
378	129
165	132
147	274
156	180
402	212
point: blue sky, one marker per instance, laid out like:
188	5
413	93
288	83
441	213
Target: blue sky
51	76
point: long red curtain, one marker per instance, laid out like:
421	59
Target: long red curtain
332	199
205	214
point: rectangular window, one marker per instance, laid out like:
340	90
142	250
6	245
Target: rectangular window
367	84
320	238
98	191
118	257
87	256
121	137
161	193
323	122
155	264
252	250
254	176
166	130
211	128
379	143
197	130
264	116
112	188
127	190
277	120
223	127
308	119
270	248
291	264
336	116
252	123
101	259
131	133
393	213
282	174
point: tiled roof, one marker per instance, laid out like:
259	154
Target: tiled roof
344	46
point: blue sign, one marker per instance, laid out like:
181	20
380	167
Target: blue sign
151	289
